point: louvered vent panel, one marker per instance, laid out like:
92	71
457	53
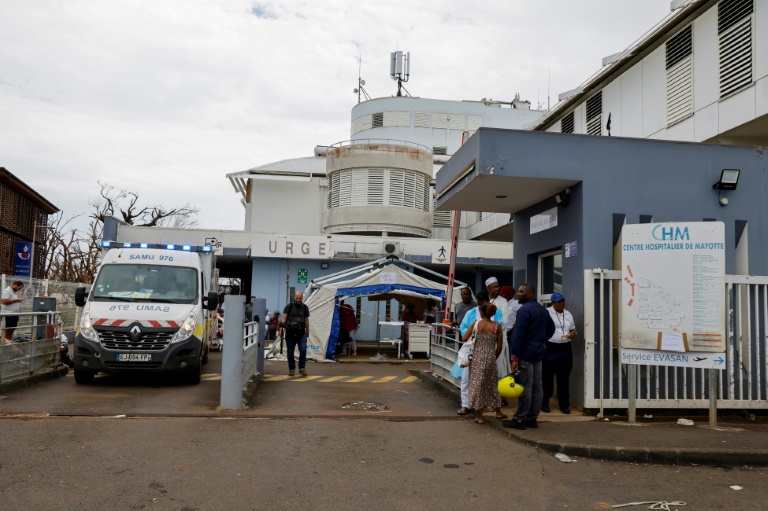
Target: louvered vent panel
566	124
333	190
365	122
375	186
679	63
736	57
680	90
409	191
421	119
420	195
474	122
457	122
441	219
396	182
439	120
345	188
594	114
426	192
439	151
377	120
359	187
397	119
479	216
329	195
730	12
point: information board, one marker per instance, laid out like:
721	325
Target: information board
673	293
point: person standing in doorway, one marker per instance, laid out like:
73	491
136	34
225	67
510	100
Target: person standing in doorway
533	326
10	303
296	323
558	356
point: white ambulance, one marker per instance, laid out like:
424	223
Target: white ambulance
150	309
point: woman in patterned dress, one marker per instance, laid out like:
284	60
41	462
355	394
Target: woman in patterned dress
483	373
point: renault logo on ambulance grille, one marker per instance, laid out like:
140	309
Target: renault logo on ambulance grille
135	333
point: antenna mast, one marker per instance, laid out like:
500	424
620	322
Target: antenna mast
400	69
360	82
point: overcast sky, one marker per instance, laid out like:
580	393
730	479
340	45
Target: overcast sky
166	97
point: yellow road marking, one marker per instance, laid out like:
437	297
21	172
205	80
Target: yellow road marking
409	379
332	378
359	379
385	379
278	378
307	378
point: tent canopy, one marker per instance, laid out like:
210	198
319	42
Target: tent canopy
385	282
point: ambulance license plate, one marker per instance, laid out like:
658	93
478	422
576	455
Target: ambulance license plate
133	357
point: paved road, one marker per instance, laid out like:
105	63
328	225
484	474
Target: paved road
295	447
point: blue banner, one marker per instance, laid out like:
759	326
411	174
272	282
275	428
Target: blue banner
23	259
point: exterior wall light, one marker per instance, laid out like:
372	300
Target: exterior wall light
323	266
563	198
729	178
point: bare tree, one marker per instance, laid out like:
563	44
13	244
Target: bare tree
126	202
73	254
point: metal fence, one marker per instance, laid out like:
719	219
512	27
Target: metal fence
63	292
742	383
444	349
41	351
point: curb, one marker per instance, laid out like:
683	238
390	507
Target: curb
33	379
663	456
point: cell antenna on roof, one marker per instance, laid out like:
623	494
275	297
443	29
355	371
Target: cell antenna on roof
360	91
400	69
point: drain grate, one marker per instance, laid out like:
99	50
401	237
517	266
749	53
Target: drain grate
365	406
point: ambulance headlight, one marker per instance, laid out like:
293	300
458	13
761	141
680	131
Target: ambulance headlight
187	329
86	328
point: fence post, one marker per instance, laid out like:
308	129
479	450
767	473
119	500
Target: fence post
231	397
713	397
260	309
632	393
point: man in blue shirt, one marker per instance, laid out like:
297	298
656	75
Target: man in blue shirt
469	318
533	326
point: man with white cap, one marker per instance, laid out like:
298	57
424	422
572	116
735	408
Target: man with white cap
502	361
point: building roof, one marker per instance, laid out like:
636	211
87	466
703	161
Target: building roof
682	11
290	169
23	189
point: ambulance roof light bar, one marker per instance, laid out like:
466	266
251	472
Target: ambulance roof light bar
170	246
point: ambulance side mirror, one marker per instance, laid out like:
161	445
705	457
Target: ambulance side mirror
211	301
80	296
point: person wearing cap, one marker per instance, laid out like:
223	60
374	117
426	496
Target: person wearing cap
558	356
502	362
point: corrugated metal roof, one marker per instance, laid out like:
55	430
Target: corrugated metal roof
307	166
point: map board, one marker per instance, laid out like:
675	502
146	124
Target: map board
673	294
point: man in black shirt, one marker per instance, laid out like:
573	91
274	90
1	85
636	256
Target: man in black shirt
296	323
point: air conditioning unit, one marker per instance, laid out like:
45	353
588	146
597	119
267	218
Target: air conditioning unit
392	247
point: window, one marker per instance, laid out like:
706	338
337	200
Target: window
594	114
679	63
550	275
734	29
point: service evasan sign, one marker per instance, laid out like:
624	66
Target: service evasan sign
673	294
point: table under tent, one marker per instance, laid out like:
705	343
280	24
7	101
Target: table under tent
379	280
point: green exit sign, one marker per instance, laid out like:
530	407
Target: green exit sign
302	278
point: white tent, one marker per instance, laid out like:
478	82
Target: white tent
378	282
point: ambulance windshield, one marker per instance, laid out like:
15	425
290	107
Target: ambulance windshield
145	283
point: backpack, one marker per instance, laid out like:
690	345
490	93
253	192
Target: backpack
295	324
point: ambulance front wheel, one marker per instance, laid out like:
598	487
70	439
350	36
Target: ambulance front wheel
84	377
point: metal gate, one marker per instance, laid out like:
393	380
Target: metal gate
741	385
